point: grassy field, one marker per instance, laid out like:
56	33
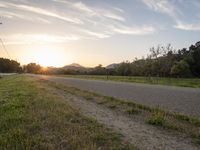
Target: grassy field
33	118
183	82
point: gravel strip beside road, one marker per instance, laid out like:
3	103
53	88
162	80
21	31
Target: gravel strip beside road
142	135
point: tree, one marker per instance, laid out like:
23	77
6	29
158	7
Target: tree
194	53
33	68
98	70
9	66
181	69
124	69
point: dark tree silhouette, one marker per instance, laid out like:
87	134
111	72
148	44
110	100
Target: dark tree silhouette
33	68
9	66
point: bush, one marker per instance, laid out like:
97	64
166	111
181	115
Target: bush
157	119
181	69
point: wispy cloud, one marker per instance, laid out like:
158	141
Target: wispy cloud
80	19
41	11
95	11
110	21
12	15
133	30
169	8
163	6
3	5
38	38
96	34
81	6
5	14
114	16
185	26
118	9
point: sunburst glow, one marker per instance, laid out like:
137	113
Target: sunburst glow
47	56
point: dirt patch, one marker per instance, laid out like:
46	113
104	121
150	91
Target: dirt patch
142	135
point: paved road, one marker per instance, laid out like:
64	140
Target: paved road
7	74
178	99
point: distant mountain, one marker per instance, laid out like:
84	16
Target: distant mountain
112	66
75	66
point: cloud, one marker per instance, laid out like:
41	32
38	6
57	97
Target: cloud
118	9
133	30
12	15
163	6
167	7
39	38
6	14
41	11
48	13
96	34
3	5
108	19
95	11
87	22
81	6
113	16
185	26
98	12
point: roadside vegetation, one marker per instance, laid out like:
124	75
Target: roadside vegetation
33	118
162	61
9	66
163	65
155	116
183	82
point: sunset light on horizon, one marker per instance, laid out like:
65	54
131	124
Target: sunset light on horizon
100	74
60	32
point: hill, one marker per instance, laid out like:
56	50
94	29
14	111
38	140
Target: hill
75	66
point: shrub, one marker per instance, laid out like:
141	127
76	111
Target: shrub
157	119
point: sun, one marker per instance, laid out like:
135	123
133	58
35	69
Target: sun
47	56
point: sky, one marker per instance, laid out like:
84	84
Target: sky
92	32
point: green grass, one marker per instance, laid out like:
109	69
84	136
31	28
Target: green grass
33	118
157	119
197	136
183	82
160	119
133	110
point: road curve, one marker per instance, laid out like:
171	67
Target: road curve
178	99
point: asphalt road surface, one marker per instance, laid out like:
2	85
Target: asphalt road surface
178	99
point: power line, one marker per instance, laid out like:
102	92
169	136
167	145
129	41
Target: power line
4	47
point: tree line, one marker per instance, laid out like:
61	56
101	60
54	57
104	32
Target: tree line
162	61
9	66
12	66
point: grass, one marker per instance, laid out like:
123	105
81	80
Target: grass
133	110
151	115
160	119
33	118
157	119
183	82
197	136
